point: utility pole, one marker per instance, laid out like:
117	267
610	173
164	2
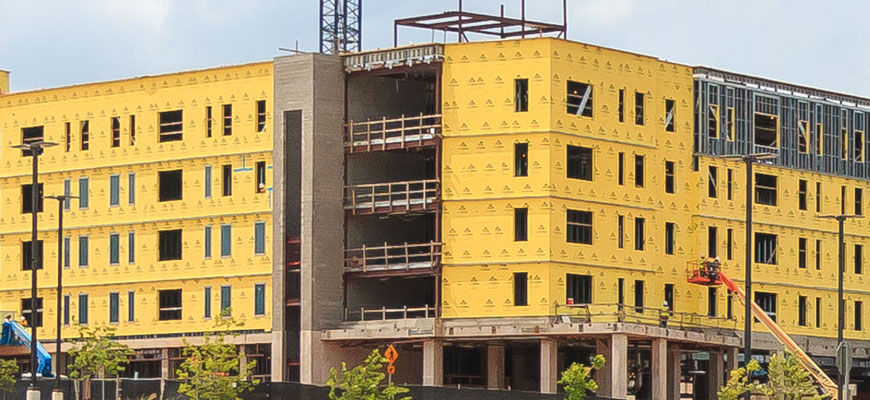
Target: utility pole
841	270
35	149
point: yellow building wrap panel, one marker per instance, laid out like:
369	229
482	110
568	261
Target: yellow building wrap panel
223	127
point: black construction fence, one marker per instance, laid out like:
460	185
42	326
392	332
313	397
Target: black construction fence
140	389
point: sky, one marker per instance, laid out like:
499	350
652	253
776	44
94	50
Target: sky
50	43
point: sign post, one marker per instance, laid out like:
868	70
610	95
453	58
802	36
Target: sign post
844	366
391	354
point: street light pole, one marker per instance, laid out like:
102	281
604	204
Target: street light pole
35	148
841	268
61	199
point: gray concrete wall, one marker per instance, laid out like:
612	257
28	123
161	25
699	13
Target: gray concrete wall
375	230
390	293
314	84
381	167
375	97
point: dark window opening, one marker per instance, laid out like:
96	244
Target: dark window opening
114	304
169	305
521	159
711	302
859	313
859	201
638	233
85	135
261	115
521	95
802	253
170	185
712	234
579	226
169	243
858	146
132	130
32	315
228	119
859	259
27	255
803	136
844	143
521	289
818	311
116	131
620	169
227	180
669	238
713	121
730	183
670	114
209	120
766	130
767	302
818	197
579	99
261	177
26	198
842	199
638	296
620	231
31	135
171	124
579	289
670	184
730	122
521	224
620	293
765	189
638	108
802	194
729	241
638	171
621	108
579	163
669	297
765	248
712	180
818	254
67	136
729	307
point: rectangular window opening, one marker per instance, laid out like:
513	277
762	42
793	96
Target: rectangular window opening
521	95
259	238
670	180
639	240
521	289
713	121
802	194
767	302
27	253
620	231
669	237
169	245
579	99
116	132
85	135
638	171
171	126
579	226
228	119
711	302
712	180
638	108
803	137
621	108
579	163
620	175
521	226
30	135
802	310
169	303
260	299
27	198
670	114
766	127
170	185
579	289
729	244
261	116
765	248
261	176
521	159
712	233
33	315
765	189
638	296
114	304
227	183
802	253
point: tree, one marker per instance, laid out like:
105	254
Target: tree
739	382
8	371
577	379
97	355
363	381
213	369
789	380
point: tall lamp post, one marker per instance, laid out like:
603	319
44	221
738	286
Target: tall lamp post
841	307
750	160
35	148
61	199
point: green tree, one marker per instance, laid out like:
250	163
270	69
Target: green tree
363	381
789	380
8	371
577	379
740	383
96	355
213	369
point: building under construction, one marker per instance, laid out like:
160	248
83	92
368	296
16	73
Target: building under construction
494	209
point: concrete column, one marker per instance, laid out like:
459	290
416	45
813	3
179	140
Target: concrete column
164	363
731	363
495	367
716	369
433	363
549	366
659	366
619	366
602	376
674	372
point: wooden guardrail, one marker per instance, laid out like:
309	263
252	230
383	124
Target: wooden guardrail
387	197
395	133
392	257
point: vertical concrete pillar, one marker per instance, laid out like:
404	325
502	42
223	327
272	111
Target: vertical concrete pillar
602	376
674	372
433	363
495	367
549	366
716	369
164	363
619	366
731	362
659	366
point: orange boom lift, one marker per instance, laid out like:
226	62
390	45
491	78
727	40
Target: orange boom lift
707	272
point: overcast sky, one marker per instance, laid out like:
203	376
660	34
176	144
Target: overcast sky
49	43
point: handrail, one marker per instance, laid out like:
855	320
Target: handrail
402	131
390	313
391	195
393	257
608	312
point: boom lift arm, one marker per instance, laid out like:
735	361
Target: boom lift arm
824	381
14	334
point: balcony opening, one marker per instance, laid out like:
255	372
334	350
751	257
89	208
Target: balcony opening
371	299
766	127
393	244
